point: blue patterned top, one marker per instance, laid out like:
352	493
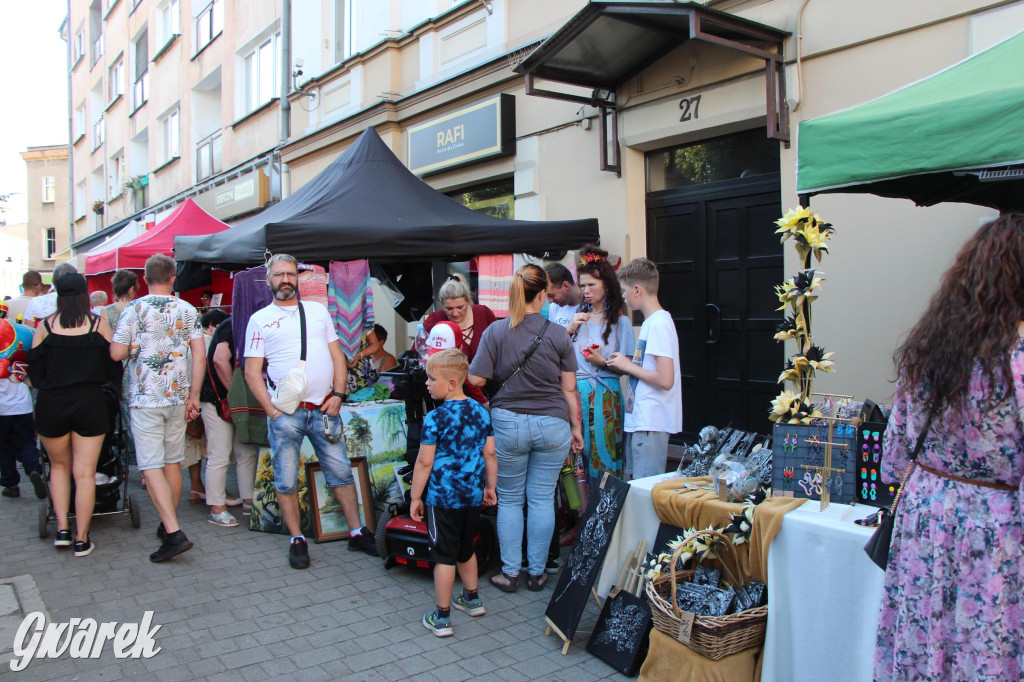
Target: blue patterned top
459	429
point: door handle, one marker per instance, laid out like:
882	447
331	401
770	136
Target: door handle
715	326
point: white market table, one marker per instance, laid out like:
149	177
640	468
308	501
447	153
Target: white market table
823	590
823	598
636	521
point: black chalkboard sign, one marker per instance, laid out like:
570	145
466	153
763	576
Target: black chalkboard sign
587	555
620	635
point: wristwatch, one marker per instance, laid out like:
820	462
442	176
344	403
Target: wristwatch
343	396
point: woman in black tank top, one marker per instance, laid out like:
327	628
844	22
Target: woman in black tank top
69	364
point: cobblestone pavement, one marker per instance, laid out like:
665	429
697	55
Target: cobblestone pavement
232	609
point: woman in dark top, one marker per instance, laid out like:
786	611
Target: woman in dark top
220	433
458	307
69	364
535	416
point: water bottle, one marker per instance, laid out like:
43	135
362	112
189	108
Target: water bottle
572	491
581	483
420	344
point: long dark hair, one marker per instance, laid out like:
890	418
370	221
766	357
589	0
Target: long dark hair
72	311
594	262
972	317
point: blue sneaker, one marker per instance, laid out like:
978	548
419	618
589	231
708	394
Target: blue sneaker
441	627
474	607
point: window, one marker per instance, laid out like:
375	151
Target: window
97	133
80	124
80	201
49	190
168	21
170	140
140	72
115	79
209	24
115	177
77	47
96	30
208	156
49	242
260	73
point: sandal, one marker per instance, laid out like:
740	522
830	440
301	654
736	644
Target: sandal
196	497
504	582
536	583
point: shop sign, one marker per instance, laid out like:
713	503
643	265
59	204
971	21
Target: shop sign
248	193
480	131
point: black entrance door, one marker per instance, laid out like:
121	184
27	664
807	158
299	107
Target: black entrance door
719	258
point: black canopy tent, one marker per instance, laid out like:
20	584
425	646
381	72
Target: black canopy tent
367	204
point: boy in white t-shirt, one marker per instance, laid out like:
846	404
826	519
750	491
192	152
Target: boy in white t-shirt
654	405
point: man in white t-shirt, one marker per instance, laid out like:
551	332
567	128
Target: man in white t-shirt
274	334
43	306
564	296
31	283
654	403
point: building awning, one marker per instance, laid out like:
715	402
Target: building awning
92	240
608	42
957	135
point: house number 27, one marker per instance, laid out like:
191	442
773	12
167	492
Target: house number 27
690	107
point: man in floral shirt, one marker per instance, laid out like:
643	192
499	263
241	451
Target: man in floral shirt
160	338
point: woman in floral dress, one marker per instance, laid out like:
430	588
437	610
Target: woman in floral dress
952	606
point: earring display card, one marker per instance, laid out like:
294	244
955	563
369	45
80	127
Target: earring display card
870	487
796	445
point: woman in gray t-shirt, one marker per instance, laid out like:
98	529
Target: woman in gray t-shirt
536	420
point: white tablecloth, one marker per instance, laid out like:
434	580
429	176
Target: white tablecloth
636	521
823	601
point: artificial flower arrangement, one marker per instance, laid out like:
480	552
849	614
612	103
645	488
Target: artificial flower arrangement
810	237
698	545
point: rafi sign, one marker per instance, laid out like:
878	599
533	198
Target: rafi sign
484	130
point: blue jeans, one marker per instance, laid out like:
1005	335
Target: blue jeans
285	433
531	450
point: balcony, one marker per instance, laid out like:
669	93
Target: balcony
140	92
209	160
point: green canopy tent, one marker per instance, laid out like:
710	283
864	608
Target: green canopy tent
957	135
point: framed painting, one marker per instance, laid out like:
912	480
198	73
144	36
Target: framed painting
328	519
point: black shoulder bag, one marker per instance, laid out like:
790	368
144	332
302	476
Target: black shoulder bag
526	358
877	547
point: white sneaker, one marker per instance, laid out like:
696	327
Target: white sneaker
223	519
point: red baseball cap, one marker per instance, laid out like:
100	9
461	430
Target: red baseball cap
444	335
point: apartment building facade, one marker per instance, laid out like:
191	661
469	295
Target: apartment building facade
47	231
684	161
172	99
690	165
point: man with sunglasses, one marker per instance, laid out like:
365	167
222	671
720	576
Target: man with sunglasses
274	335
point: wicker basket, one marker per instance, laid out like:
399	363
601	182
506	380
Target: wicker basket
714	637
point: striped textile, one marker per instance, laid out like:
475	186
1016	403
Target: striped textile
313	284
350	302
495	277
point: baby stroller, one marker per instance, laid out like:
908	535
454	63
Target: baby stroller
400	539
112	495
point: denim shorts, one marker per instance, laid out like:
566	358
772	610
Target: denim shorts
286	433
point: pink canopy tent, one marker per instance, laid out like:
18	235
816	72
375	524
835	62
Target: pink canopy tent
187	219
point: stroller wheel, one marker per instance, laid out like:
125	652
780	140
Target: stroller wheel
133	509
44	512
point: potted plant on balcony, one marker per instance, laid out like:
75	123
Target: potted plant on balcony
98	206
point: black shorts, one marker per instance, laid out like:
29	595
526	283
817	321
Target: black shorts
452	532
82	409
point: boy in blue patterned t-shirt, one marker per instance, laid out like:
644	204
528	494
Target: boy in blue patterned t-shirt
457	456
